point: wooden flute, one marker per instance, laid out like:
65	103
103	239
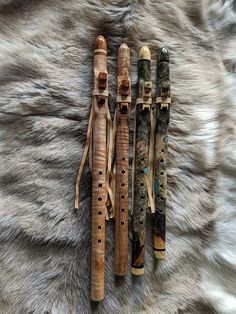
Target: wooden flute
161	143
99	161
123	106
142	130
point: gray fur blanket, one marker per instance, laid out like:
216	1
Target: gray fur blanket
46	50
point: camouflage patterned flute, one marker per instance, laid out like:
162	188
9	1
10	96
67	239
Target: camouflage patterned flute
143	105
160	181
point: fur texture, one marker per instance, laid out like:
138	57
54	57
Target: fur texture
46	50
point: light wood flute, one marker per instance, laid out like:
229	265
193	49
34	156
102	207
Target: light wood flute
123	102
161	144
140	198
99	161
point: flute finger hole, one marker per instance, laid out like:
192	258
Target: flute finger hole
122	184
122	196
100	172
162	150
100	185
162	173
123	159
123	171
162	160
99	227
100	199
141	184
141	222
99	213
141	209
122	209
99	240
122	223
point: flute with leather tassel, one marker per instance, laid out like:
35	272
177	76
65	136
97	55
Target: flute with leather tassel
99	168
123	106
142	130
161	143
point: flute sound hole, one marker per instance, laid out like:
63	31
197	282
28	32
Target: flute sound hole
99	213
100	172
99	198
100	185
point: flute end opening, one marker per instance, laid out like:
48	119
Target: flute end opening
144	53
123	46
164	54
100	43
159	255
137	271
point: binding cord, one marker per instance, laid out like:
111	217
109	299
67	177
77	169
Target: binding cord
110	178
85	153
149	177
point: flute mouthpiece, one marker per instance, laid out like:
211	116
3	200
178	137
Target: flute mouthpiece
164	54
101	43
144	53
123	46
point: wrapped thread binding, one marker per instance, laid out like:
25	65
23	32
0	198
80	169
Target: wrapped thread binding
109	173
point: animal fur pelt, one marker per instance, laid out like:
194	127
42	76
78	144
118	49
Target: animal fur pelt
46	52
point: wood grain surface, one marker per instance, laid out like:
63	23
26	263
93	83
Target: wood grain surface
122	160
99	161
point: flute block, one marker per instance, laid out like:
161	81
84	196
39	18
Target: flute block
102	80
125	88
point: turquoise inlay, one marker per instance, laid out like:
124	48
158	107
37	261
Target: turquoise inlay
165	139
145	170
156	185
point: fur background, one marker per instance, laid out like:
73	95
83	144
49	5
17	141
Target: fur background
46	50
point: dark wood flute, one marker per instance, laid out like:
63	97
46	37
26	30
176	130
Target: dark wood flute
99	161
140	202
161	139
123	106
